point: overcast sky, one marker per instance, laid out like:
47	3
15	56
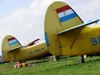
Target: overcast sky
24	19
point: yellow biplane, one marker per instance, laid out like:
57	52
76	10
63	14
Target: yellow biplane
12	50
66	33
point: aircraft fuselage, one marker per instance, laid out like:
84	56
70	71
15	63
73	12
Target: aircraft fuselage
87	41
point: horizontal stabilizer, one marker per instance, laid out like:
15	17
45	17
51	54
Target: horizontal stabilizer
15	48
80	25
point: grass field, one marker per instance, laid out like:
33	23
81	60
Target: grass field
65	66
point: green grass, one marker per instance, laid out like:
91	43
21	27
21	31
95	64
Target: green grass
65	66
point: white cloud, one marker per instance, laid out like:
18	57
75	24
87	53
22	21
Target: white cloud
25	20
88	9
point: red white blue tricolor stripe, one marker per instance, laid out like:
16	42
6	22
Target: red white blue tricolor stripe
12	41
65	13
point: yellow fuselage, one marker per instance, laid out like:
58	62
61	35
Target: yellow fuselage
87	41
26	53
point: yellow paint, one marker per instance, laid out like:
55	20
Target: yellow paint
53	26
24	53
79	41
82	44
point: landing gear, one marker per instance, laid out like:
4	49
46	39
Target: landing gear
56	58
81	60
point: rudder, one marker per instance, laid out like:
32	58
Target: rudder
9	44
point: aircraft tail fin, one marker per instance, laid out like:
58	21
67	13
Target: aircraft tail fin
10	43
59	17
68	18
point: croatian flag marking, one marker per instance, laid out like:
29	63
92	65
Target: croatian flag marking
65	13
12	41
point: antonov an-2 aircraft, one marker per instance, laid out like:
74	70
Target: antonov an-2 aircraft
12	50
65	34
